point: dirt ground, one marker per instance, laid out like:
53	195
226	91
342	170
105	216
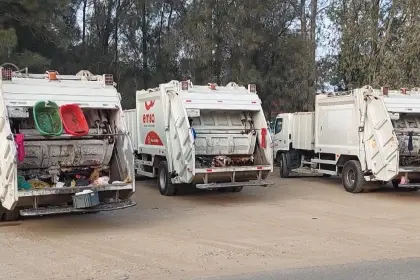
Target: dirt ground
297	222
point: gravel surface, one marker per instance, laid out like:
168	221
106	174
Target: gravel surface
298	222
405	269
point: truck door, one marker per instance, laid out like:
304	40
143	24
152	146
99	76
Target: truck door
281	133
8	164
381	144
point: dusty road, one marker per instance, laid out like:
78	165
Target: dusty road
404	269
299	222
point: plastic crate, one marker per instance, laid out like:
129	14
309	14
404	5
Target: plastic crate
85	199
47	118
74	121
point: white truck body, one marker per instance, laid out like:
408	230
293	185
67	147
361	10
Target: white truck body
111	151
370	127
229	125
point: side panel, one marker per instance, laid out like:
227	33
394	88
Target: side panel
150	123
180	154
46	153
8	165
336	125
381	143
130	118
222	132
303	130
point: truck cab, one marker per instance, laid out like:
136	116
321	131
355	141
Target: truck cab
282	137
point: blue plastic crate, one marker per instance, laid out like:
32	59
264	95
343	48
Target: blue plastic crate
85	200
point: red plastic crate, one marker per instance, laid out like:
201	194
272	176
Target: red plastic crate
74	121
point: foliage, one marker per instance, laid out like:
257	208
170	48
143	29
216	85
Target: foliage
377	42
147	42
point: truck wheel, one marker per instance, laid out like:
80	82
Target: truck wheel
164	181
237	189
9	216
352	177
284	171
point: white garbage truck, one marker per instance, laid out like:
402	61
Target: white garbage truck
44	166
362	135
211	137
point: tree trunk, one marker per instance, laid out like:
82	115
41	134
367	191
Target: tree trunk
375	39
144	46
312	86
303	19
117	15
84	30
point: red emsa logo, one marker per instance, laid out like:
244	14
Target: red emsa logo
149	104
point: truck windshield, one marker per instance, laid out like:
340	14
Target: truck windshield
279	125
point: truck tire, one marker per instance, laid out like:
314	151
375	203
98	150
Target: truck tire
166	188
353	177
284	170
10	216
237	189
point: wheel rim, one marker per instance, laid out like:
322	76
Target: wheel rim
162	179
351	177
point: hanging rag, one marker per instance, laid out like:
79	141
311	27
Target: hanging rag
20	146
410	141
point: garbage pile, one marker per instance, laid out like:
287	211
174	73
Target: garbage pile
223	161
57	177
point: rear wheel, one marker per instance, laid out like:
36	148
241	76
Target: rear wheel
230	189
353	177
9	216
164	181
284	170
237	189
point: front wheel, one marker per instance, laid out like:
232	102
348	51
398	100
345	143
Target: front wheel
166	187
284	170
353	177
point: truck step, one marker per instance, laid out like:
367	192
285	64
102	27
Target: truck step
144	162
145	173
308	171
324	161
409	186
304	171
252	183
31	212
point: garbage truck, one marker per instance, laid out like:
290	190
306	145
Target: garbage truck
362	135
63	140
209	137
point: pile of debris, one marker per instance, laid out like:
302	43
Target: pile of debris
58	177
223	161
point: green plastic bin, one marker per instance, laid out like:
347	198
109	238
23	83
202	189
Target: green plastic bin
47	118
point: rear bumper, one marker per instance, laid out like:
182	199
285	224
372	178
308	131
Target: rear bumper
31	212
72	190
233	169
252	183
